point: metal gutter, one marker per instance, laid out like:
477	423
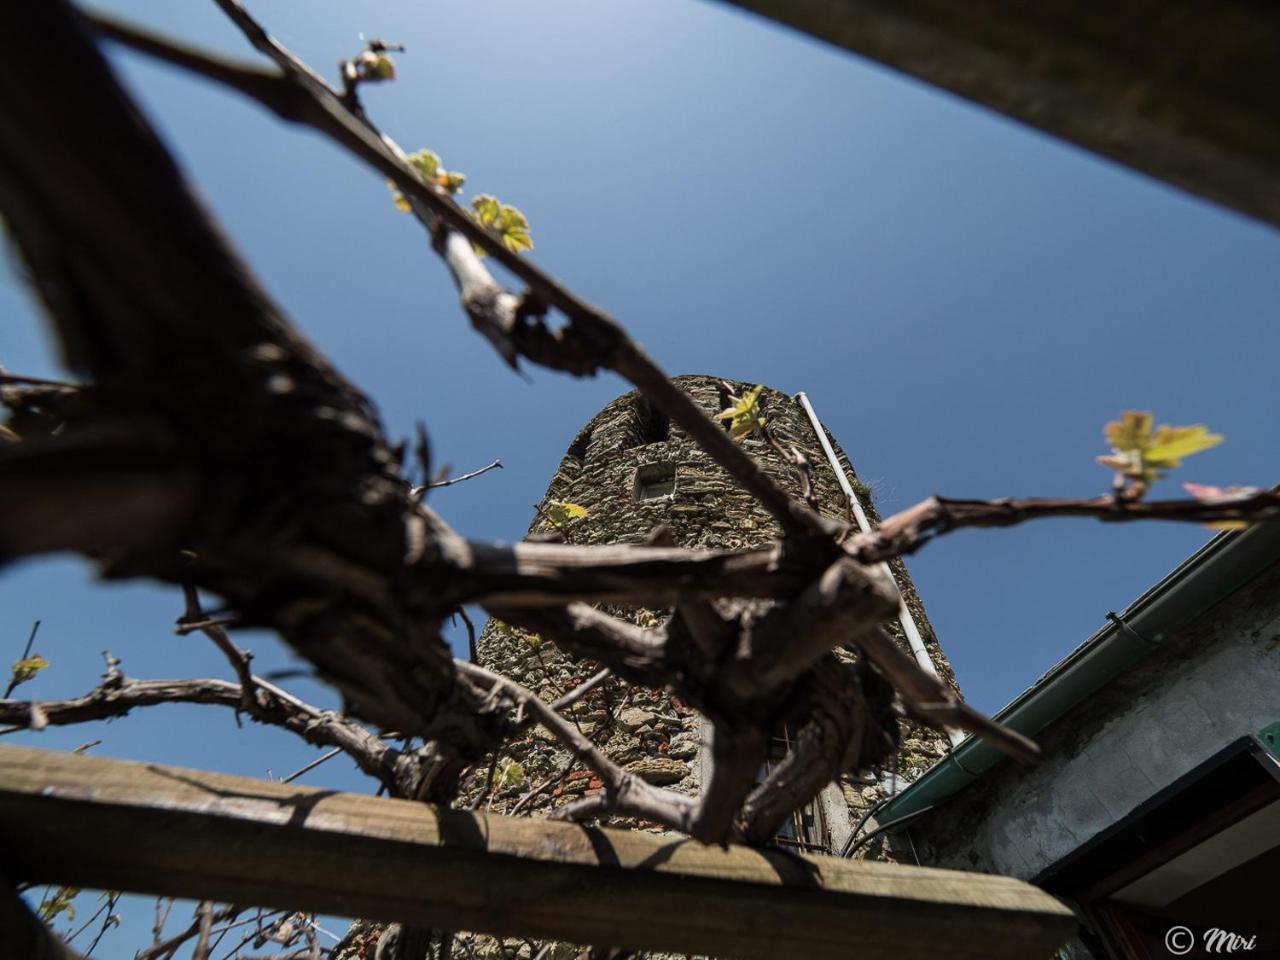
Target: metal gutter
918	648
908	622
1208	576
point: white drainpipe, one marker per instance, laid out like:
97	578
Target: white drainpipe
908	622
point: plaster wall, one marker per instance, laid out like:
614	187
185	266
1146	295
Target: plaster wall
1214	680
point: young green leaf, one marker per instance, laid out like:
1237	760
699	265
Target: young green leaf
1141	455
514	227
510	774
562	512
745	418
506	221
427	163
26	669
486	209
1131	432
1171	444
517	240
375	66
451	180
58	902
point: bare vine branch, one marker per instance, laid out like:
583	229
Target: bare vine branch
167	948
194	618
909	530
450	481
624	791
343	561
26	652
592	341
117	695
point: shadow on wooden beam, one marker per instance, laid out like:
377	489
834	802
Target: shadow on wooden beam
93	822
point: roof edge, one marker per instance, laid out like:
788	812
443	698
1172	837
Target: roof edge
1211	574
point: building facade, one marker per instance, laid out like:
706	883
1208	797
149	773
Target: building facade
1155	811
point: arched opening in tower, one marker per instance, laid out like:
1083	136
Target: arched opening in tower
655	427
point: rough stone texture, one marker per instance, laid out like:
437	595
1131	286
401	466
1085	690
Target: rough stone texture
660	771
708	508
1215	680
649	731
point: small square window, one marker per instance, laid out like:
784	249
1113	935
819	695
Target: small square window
655	481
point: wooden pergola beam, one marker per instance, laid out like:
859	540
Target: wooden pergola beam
93	822
1183	90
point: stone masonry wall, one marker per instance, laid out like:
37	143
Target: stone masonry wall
650	732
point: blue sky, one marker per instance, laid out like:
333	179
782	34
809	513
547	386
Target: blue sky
965	301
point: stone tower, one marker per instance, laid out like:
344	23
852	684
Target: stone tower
633	472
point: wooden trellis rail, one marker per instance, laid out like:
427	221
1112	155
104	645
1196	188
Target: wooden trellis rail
92	822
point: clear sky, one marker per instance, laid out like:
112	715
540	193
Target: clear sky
965	301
